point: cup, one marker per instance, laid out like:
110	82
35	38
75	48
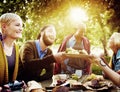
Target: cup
78	73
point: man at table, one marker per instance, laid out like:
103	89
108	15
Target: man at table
37	58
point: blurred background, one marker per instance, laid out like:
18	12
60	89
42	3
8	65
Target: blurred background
102	18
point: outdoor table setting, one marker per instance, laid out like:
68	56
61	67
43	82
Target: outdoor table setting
86	83
78	82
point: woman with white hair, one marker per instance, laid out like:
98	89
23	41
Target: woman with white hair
114	44
112	71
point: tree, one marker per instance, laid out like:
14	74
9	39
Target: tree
103	17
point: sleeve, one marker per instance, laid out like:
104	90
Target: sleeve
88	69
28	57
86	44
117	64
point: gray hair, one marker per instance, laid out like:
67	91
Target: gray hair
114	40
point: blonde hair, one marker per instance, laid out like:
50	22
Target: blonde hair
7	18
114	40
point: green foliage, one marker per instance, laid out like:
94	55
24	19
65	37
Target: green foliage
37	13
103	18
16	6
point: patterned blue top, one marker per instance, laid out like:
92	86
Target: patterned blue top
116	61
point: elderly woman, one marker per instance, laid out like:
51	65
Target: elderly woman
114	44
111	73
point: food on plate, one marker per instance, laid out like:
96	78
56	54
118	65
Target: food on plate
71	51
59	79
94	76
83	52
90	77
60	89
59	82
71	81
74	76
96	83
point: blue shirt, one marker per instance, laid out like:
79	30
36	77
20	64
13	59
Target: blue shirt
40	52
116	61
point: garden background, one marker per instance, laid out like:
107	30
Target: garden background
102	18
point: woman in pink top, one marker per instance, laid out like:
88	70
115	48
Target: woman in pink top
78	42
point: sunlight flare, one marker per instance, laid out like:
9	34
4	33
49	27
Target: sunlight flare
77	14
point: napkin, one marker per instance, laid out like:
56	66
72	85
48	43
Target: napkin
33	85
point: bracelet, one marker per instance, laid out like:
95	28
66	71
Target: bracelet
102	63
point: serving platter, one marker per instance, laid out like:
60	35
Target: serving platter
106	85
83	84
87	87
76	55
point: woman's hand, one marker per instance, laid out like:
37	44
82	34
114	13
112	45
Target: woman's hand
94	59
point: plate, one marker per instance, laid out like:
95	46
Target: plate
76	55
105	85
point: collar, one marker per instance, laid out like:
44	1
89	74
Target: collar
40	52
